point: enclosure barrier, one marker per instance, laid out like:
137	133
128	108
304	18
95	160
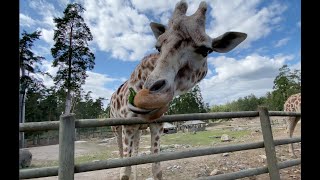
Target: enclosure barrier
66	168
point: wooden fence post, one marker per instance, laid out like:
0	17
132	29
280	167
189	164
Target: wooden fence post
269	143
66	147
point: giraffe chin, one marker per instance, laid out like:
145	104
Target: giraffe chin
138	110
149	115
156	114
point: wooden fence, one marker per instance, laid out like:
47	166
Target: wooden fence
68	123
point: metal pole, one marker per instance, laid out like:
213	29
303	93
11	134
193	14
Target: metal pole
66	147
269	144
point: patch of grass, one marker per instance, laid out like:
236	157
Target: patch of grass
39	164
201	138
79	159
104	155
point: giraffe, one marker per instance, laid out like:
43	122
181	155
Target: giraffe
292	104
179	64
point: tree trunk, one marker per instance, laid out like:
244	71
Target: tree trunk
22	95
68	100
68	103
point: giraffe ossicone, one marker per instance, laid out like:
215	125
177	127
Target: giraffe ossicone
179	65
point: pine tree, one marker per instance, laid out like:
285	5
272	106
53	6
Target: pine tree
71	52
27	63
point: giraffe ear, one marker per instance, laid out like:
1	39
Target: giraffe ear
228	41
157	29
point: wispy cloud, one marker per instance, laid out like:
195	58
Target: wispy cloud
46	11
245	16
120	29
26	21
118	26
282	42
95	82
299	24
237	78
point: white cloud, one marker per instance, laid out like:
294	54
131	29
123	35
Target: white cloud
96	83
156	7
299	24
47	12
130	24
26	20
296	66
46	67
119	29
237	78
244	16
47	36
122	27
63	3
282	42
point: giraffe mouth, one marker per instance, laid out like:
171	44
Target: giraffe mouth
140	110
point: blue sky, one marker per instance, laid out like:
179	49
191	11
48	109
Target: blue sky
122	37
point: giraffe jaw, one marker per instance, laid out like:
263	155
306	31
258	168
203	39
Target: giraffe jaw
140	110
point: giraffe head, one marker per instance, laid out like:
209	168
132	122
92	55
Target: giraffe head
184	46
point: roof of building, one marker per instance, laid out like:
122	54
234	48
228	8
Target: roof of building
167	125
193	122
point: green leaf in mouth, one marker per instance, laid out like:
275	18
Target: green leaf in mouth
131	95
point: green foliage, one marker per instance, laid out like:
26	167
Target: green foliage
48	105
87	108
248	103
28	62
190	102
71	52
285	84
202	138
221	108
131	96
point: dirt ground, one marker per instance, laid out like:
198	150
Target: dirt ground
192	168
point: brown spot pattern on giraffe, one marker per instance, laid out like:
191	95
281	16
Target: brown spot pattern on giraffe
159	175
155	150
129	132
118	103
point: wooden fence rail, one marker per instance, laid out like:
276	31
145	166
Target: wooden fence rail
67	124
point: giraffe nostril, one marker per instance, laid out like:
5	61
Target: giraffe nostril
157	86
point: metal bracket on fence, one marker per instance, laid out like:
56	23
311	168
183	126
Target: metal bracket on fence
269	143
66	147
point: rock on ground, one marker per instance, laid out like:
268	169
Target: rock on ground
25	158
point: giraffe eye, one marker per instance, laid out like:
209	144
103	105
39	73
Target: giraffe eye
158	48
203	50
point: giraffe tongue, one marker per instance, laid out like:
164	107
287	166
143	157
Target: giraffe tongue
140	110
